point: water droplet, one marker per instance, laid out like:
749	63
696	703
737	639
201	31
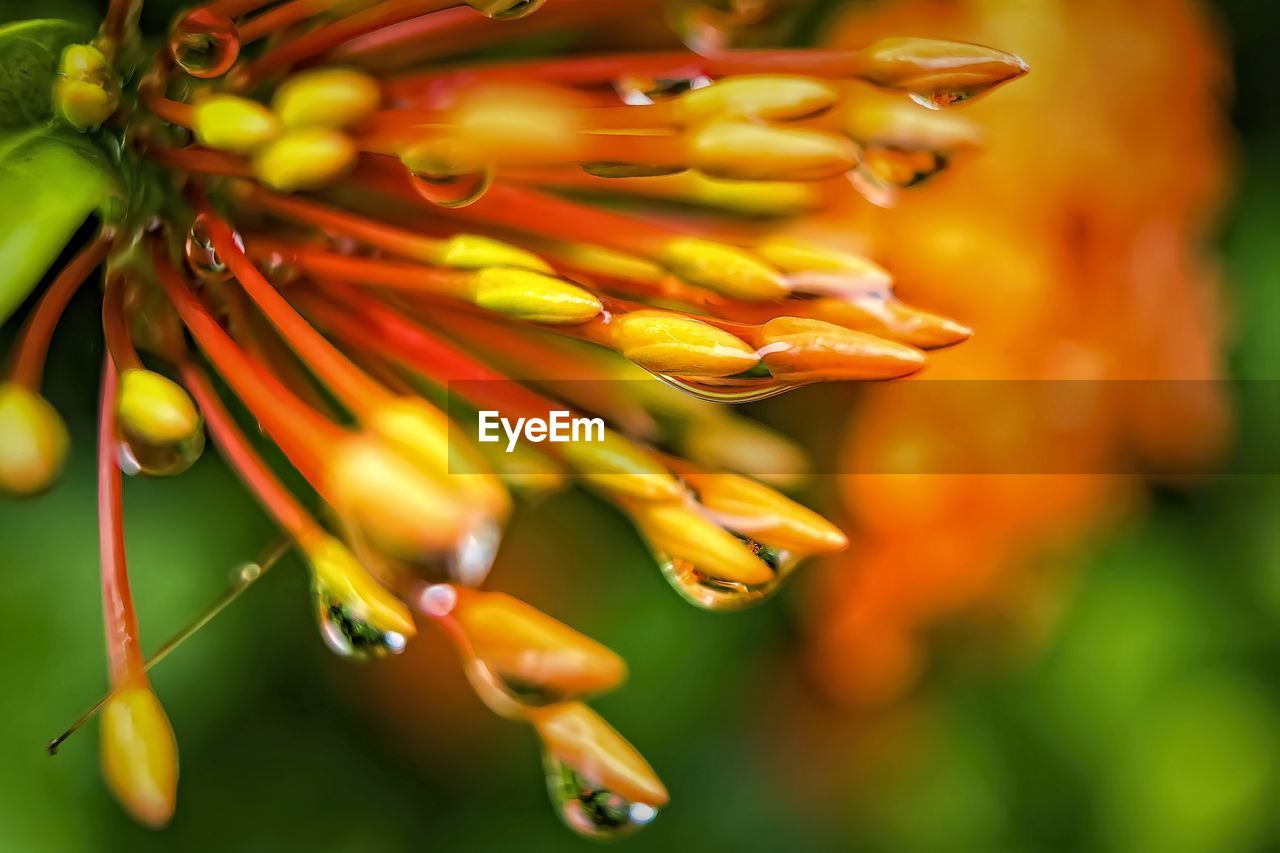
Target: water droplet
351	637
712	593
640	91
452	191
204	43
438	599
506	695
711	26
589	809
136	455
474	553
874	190
743	389
937	99
467	564
200	255
901	167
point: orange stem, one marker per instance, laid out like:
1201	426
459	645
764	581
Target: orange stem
277	500
124	655
369	271
330	36
305	436
329	219
283	17
115	327
33	343
356	391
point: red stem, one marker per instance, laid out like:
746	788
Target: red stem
304	435
124	655
357	392
33	344
277	500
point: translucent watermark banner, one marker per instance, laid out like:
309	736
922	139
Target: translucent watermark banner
1165	428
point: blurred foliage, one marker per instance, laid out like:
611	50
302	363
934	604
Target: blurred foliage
1148	723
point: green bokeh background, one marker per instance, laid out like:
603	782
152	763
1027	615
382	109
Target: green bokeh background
1151	722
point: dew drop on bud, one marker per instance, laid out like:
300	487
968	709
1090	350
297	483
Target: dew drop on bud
734	389
351	637
901	167
642	91
452	191
200	255
716	594
475	552
439	599
138	456
589	809
937	99
204	43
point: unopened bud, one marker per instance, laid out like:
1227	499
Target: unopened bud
937	73
681	533
800	350
753	509
755	152
674	344
231	123
767	97
726	269
140	754
33	441
326	97
473	252
305	159
577	737
533	297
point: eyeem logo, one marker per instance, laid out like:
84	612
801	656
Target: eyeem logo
559	427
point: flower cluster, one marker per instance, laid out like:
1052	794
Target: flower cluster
341	229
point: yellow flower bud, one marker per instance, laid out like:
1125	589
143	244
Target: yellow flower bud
813	268
428	439
305	159
768	97
576	736
755	510
939	72
340	575
890	318
620	467
83	104
33	441
801	350
232	123
532	296
524	646
682	533
391	504
140	754
891	120
670	343
765	198
726	269
755	152
473	252
326	97
591	258
86	92
155	409
729	442
83	62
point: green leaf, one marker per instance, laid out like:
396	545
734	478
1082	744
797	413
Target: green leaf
29	53
50	181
